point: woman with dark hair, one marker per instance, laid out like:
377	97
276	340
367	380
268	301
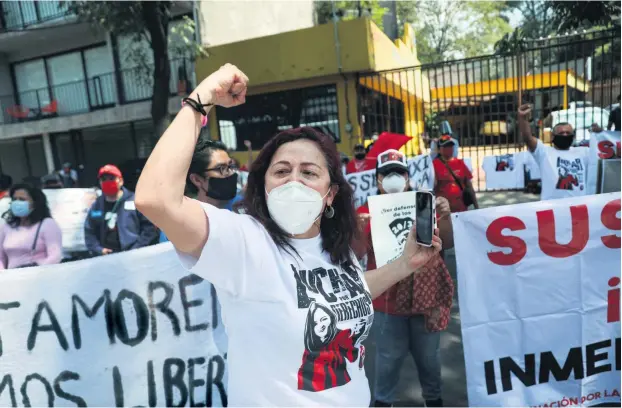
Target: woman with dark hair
291	250
30	236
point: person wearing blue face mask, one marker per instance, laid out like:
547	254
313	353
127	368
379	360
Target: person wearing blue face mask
30	236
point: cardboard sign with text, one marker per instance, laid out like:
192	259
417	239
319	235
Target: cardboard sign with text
69	208
364	185
603	146
129	329
392	217
540	302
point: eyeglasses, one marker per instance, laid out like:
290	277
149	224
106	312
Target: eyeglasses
224	169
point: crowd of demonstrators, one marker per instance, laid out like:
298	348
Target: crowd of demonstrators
29	236
410	315
113	224
299	225
562	166
452	177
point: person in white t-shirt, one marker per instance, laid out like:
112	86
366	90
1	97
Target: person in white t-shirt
295	303
563	168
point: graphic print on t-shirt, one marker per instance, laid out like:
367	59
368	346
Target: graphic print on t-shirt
505	162
571	174
339	317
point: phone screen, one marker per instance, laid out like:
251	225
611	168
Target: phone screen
424	214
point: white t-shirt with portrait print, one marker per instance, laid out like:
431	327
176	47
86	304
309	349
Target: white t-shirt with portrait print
504	172
563	172
295	324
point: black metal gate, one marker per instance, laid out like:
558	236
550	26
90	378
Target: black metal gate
573	78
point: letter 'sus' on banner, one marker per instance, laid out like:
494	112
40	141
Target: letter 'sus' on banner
129	329
539	290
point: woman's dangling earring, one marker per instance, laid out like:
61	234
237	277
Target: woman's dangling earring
329	212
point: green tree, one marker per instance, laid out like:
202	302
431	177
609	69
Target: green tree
448	29
349	10
145	23
570	15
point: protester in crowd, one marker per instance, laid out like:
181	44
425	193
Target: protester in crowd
6	182
409	316
614	118
51	181
30	236
285	274
69	177
358	162
452	177
113	224
563	168
212	176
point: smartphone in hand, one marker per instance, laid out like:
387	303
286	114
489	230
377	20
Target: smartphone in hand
425	217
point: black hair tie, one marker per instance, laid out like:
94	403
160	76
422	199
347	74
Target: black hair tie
197	105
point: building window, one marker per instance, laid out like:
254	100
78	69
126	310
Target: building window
380	113
23	159
265	115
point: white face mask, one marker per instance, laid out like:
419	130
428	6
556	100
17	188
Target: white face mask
295	207
393	183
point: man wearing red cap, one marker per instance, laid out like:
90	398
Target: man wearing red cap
113	224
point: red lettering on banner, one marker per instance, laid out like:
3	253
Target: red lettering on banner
606	149
495	237
613	300
580	232
546	234
609	218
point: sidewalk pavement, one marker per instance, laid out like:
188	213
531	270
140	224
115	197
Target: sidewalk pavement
452	354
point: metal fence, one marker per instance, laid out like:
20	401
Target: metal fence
574	78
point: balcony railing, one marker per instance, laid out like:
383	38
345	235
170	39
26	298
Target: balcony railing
20	15
88	95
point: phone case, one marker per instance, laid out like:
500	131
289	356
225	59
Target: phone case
434	222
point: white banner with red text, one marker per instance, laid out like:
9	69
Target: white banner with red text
420	171
539	291
128	329
603	146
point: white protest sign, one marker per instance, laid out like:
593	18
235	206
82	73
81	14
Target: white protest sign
392	216
129	329
69	207
421	172
603	146
540	302
364	184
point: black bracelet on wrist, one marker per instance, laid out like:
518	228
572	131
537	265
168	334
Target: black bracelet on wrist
197	105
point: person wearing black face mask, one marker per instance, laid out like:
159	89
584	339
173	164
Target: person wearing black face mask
360	162
563	167
212	177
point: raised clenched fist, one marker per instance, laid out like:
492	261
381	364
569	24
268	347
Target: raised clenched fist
226	87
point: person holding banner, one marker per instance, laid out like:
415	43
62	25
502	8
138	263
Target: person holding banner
30	236
295	302
410	315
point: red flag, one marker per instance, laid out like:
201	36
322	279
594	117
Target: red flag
387	141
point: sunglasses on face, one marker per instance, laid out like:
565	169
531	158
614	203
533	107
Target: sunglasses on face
224	169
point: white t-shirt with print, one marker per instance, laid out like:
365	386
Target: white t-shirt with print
564	172
295	324
504	172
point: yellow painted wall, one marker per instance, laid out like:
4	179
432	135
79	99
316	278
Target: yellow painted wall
307	57
538	81
295	55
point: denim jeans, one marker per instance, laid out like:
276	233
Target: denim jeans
396	336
